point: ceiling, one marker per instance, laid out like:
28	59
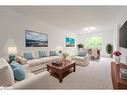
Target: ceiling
74	18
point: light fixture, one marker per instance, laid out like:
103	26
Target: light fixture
85	29
92	28
89	29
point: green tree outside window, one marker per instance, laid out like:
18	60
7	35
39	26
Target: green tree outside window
94	42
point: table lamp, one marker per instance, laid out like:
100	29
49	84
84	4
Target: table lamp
12	51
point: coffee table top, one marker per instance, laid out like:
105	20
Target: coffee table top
64	64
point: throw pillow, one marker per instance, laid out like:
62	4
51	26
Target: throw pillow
82	54
28	55
14	64
41	54
53	53
18	71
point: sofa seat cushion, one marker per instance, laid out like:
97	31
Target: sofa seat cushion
50	58
78	58
46	59
35	62
40	61
27	71
39	81
56	57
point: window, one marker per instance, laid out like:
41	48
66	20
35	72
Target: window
94	42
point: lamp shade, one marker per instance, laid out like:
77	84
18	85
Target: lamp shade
12	50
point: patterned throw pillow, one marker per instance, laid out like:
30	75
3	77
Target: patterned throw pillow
28	55
42	54
53	53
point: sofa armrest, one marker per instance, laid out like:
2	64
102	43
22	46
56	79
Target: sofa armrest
21	60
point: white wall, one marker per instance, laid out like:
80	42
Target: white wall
12	32
121	21
107	37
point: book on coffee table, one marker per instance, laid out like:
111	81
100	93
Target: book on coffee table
57	63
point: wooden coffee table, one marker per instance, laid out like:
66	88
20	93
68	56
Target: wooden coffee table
62	71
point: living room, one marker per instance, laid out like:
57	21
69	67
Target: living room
28	21
93	27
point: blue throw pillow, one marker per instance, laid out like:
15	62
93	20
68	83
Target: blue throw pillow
28	55
53	53
19	74
18	71
42	54
14	64
82	54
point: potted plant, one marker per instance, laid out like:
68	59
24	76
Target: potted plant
117	56
109	49
80	46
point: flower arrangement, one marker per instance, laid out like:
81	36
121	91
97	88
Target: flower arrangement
117	53
64	56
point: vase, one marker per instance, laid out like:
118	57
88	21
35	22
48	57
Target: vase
117	59
64	58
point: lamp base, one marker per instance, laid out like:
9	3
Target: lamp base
12	57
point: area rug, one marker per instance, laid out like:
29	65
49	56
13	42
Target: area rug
97	75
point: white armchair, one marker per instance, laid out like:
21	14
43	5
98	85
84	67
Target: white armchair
81	60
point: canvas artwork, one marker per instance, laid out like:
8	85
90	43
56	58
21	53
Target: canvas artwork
70	42
36	39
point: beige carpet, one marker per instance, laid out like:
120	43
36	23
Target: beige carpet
97	75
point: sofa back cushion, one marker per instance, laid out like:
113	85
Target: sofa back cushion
6	73
42	53
52	53
81	53
28	55
18	70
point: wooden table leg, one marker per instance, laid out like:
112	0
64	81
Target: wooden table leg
60	76
74	69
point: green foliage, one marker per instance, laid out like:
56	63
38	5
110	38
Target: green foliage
109	48
94	42
80	45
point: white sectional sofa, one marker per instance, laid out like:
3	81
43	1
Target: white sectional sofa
32	81
37	63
